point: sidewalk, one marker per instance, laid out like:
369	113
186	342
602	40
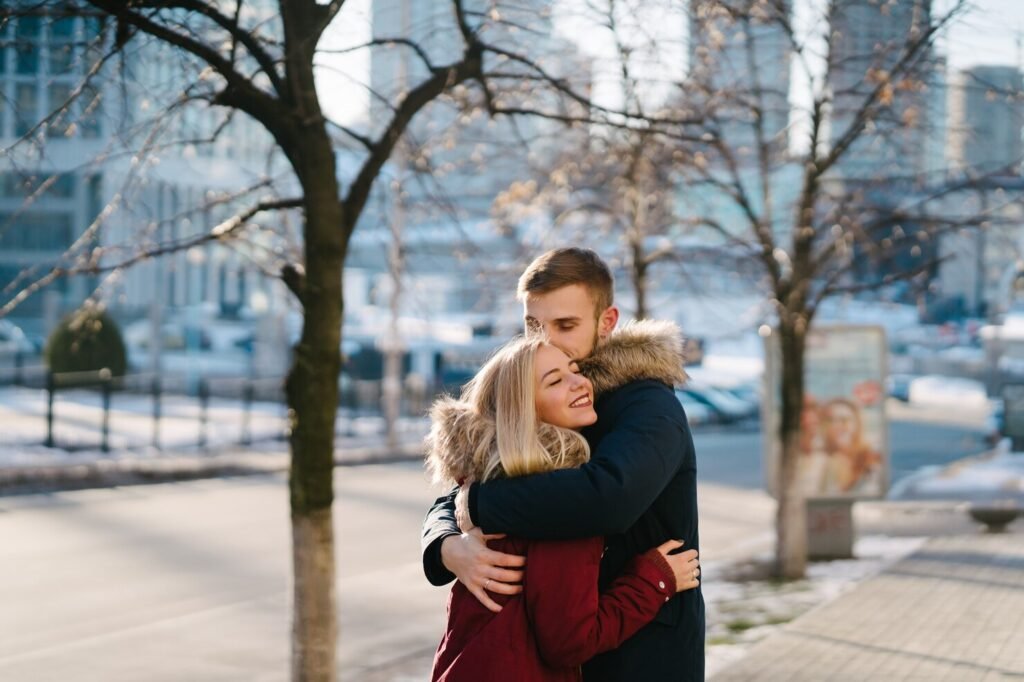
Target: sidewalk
40	471
953	610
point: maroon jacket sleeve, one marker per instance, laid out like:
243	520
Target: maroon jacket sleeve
571	619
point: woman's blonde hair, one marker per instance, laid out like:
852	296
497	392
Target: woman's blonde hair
503	394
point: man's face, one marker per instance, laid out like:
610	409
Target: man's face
569	319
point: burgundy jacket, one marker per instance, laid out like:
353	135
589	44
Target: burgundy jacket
559	620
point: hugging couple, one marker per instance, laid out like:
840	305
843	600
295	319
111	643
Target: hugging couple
577	491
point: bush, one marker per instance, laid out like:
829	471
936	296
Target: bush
87	340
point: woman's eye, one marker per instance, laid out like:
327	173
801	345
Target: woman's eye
554	383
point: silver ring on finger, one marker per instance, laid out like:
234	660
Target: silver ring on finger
487	583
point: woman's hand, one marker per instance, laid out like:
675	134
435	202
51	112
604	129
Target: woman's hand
684	565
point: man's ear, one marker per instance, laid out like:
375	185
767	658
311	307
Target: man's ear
607	321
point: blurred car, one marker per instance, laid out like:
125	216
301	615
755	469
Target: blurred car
898	386
726	408
696	412
13	340
748	393
173	336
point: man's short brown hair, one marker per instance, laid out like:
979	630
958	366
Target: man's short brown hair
564	267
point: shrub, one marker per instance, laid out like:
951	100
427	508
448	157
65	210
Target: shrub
87	340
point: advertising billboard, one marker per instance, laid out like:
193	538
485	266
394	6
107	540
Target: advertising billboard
844	440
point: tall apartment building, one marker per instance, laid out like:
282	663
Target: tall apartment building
987	119
748	61
869	38
118	168
460	158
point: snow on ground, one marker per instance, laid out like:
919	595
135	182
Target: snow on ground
997	476
743	607
78	416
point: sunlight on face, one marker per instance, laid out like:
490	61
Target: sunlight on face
566	317
564	396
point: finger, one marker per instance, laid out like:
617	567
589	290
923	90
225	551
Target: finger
501	559
669	545
488	603
505	575
688	555
504	588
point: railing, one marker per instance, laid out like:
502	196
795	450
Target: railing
75	411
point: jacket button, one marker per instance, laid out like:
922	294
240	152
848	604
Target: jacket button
661	584
666	598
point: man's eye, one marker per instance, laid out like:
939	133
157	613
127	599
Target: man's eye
567	327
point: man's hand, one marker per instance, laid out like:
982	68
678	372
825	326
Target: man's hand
481	569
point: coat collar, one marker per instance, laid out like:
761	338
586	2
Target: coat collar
645	349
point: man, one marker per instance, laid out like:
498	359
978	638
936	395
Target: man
638	490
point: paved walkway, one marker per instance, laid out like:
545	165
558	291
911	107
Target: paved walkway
953	610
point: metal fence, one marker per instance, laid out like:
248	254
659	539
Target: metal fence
75	411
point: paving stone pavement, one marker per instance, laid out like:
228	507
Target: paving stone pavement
953	610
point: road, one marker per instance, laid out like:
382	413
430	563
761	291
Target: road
733	455
190	581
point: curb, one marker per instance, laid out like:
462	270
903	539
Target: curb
108	473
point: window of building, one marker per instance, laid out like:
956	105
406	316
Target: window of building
25	110
20	185
26	43
62	53
60	106
35	231
89	101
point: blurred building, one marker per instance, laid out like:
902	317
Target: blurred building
904	141
986	120
748	60
440	186
101	153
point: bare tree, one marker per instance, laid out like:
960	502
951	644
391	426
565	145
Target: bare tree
841	181
258	60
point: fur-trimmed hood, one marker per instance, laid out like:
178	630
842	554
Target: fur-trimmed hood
646	349
461	439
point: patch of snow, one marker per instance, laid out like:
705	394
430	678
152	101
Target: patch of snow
741	613
995	477
966	394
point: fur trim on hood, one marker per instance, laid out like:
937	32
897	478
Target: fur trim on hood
646	349
461	440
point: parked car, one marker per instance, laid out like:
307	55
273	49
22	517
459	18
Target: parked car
13	339
725	407
696	411
174	336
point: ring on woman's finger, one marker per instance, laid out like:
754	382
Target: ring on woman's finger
487	583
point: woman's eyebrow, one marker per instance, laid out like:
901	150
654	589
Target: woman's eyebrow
550	371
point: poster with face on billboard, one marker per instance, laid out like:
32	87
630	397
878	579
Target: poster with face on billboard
844	442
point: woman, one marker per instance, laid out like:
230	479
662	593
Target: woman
853	465
519	416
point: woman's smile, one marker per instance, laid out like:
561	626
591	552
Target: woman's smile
582	401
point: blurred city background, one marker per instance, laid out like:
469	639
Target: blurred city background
697	145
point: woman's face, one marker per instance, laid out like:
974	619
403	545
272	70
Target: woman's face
564	396
840	425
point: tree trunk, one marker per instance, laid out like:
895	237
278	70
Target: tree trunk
791	514
312	392
314	622
639	269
